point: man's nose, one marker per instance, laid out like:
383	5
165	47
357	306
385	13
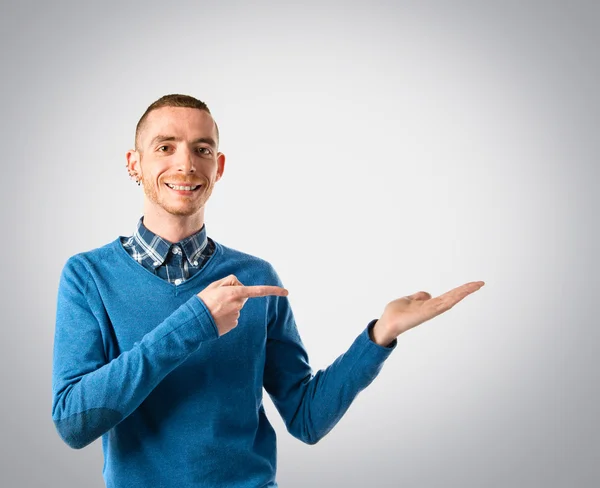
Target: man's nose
185	161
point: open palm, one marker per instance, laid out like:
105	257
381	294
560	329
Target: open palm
407	312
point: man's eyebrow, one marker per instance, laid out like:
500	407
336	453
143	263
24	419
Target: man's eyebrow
162	138
206	140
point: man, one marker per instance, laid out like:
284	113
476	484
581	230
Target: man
160	351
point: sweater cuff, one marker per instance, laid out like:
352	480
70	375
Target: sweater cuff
384	350
204	317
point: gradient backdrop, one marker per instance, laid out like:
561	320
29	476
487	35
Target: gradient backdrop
410	145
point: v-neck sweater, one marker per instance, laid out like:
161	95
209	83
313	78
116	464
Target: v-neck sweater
138	362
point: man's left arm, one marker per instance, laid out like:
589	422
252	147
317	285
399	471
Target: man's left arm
312	404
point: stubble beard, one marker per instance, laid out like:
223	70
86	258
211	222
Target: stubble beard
184	210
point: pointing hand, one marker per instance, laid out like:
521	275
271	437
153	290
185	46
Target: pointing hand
226	297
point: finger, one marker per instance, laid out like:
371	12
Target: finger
230	280
420	295
260	291
234	282
447	300
463	290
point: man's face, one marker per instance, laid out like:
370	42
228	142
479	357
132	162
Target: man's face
177	147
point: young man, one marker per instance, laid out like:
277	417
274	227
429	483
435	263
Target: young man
165	340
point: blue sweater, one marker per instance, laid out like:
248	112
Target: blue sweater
138	361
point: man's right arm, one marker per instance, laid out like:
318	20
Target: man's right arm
90	394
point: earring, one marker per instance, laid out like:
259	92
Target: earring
133	175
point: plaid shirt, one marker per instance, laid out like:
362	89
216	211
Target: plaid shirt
172	262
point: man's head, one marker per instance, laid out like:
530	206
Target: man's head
176	144
183	101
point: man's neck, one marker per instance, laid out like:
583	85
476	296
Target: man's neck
173	228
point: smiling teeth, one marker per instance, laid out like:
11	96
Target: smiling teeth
188	188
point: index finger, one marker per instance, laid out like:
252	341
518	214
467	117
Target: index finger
260	291
452	297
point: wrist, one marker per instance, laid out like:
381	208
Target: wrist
379	335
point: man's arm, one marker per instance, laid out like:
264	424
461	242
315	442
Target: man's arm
90	394
311	405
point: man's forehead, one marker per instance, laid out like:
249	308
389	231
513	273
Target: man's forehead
180	122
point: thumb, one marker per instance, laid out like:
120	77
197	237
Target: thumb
230	280
420	295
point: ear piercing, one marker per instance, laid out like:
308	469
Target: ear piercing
133	175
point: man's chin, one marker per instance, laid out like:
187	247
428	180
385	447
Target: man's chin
183	212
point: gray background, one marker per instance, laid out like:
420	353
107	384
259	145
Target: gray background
411	145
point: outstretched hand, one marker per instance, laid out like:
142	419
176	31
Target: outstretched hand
407	312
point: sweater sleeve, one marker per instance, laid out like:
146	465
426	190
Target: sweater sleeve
312	404
90	395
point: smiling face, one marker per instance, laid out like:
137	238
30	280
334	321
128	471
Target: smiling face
177	147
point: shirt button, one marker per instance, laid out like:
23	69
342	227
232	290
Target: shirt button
195	263
176	250
155	263
178	281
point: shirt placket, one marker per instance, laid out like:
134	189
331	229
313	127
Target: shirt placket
177	273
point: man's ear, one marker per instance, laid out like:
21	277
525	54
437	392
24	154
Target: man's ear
133	164
220	165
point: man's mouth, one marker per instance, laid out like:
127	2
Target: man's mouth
183	188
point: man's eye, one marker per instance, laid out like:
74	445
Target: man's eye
203	150
163	148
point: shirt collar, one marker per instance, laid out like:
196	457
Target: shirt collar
156	248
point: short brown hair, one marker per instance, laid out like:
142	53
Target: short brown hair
175	100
